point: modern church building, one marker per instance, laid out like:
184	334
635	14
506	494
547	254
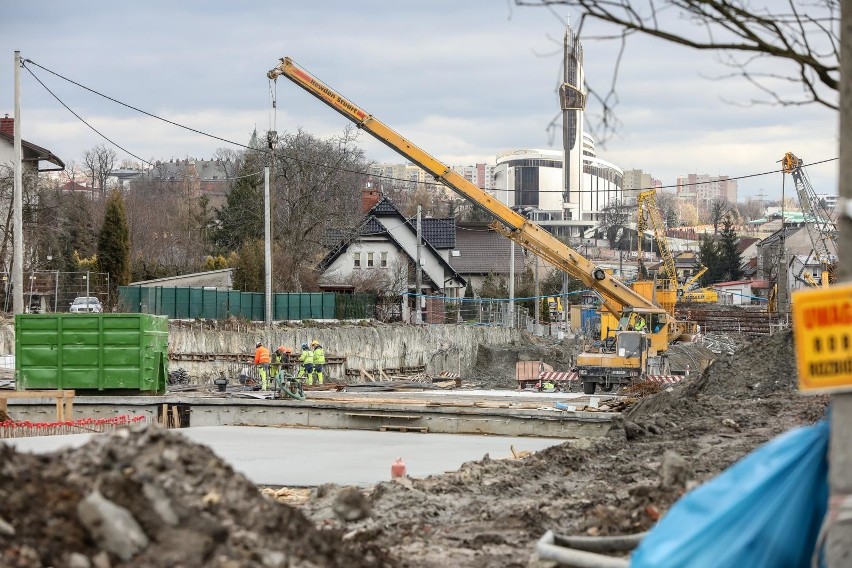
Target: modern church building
566	196
532	181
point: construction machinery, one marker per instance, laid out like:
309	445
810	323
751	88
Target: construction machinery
822	230
628	354
667	279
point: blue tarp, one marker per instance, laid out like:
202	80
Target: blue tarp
765	510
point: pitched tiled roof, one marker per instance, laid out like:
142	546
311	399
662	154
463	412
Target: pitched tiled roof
745	242
384	207
483	251
34	153
440	233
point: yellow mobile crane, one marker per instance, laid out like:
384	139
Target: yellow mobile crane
628	355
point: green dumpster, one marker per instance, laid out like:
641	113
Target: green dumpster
92	352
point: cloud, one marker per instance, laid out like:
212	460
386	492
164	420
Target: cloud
463	80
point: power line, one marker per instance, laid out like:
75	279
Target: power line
322	165
81	119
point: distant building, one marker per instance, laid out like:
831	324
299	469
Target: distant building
411	177
636	181
829	200
702	189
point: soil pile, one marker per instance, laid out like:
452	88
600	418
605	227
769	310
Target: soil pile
491	511
152	498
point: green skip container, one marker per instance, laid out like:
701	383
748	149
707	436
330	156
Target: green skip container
103	352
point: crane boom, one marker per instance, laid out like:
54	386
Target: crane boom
647	207
616	295
822	231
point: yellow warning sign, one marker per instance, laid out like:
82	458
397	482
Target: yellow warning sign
822	323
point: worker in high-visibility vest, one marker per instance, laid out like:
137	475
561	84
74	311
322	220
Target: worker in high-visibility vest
319	359
306	360
280	360
261	361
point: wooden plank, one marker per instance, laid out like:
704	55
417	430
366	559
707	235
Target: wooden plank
383	375
165	416
377	415
397	428
60	396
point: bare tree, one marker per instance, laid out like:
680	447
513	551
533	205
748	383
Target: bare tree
715	211
614	217
804	35
751	209
99	162
317	185
167	228
667	203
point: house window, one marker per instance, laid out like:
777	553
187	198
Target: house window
356	259
370	260
383	260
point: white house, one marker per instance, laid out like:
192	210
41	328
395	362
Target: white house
382	252
735	292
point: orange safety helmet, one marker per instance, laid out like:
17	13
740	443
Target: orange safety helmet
282	349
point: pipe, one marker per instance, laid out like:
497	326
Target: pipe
548	550
620	543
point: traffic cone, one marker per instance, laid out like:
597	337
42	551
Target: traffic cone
398	468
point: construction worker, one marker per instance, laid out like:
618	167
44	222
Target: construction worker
319	359
280	359
639	324
261	361
306	359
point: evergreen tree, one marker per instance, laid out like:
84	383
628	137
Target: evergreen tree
730	259
250	269
241	217
469	307
708	255
494	287
114	243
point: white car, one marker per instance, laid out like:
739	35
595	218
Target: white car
86	304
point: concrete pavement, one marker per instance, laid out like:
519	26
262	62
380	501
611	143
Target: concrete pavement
309	457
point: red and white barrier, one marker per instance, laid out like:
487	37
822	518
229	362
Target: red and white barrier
24	428
664	379
559	376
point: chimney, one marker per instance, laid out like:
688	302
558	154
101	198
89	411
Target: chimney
7	126
369	198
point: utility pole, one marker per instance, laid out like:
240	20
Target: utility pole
418	315
17	202
267	247
537	316
511	283
838	549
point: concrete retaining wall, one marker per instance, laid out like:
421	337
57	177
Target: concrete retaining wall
450	348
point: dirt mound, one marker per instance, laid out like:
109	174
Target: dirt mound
152	498
495	364
764	368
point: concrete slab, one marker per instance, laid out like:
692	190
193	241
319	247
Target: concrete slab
309	457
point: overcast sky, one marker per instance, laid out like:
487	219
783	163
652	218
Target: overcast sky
464	80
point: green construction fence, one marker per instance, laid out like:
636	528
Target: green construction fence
208	303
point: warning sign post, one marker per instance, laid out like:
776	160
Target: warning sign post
822	323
